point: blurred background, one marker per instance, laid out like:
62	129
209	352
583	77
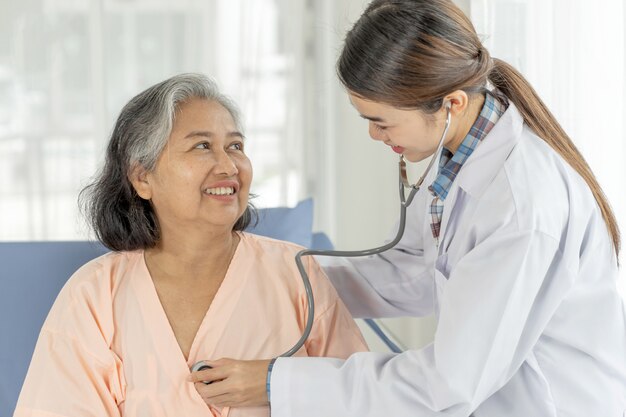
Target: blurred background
68	66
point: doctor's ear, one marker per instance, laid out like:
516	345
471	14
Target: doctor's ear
457	101
138	177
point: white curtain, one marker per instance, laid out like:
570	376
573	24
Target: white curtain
67	67
574	53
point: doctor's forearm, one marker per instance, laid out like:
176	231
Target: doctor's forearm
375	286
365	385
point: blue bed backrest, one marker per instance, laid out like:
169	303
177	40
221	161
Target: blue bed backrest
32	276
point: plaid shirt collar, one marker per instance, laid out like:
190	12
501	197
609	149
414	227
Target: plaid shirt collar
450	164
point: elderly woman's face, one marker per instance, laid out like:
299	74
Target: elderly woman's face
203	175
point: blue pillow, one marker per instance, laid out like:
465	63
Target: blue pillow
285	223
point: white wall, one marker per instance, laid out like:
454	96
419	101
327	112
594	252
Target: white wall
464	5
366	174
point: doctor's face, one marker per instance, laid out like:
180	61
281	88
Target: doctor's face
409	132
202	177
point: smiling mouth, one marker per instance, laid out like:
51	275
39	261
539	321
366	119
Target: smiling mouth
220	191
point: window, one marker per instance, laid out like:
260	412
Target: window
68	66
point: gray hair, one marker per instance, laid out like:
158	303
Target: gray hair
120	218
150	115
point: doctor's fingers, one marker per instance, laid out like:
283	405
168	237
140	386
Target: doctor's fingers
245	373
223	394
209	375
219	401
243	382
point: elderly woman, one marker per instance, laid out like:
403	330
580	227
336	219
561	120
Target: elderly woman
184	283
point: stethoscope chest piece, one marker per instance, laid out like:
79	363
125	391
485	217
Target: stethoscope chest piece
201	366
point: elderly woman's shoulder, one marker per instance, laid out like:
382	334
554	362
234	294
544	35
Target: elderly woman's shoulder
90	292
103	273
270	244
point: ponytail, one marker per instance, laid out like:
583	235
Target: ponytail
537	116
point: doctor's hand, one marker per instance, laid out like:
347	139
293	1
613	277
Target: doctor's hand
234	383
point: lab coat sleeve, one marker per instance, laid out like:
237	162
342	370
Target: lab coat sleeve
73	371
494	306
334	333
395	283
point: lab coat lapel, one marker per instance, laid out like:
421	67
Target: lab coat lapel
481	167
430	243
448	204
487	160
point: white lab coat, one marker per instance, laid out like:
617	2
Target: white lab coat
523	284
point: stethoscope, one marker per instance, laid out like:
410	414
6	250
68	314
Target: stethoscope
404	204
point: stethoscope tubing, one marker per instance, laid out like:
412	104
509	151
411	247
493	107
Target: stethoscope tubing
404	203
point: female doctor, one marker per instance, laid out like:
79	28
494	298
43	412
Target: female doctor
513	246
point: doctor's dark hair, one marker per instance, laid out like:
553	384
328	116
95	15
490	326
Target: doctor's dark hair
410	54
121	219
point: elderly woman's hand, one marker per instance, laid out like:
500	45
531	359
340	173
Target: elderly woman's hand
234	383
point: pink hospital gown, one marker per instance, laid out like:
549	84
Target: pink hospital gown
107	349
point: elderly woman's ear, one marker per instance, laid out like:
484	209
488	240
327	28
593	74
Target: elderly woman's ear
138	177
